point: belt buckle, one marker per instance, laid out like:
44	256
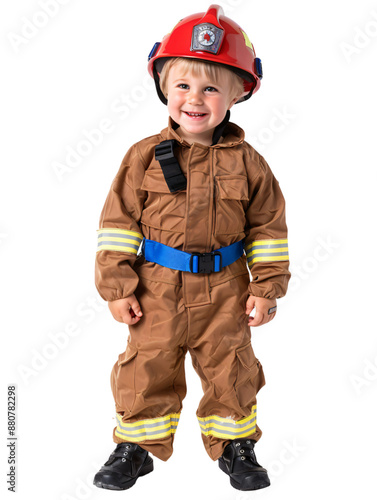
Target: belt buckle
206	262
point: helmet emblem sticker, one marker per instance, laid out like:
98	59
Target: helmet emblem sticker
206	37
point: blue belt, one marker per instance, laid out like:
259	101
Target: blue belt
195	262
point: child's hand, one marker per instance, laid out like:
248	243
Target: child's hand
126	310
262	306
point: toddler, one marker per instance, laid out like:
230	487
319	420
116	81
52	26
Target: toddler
190	210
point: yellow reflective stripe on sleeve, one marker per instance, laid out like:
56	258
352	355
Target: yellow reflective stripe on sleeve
226	428
267	251
119	240
151	428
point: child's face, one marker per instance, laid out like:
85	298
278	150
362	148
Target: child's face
189	94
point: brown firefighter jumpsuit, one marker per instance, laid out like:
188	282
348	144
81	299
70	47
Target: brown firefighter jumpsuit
231	195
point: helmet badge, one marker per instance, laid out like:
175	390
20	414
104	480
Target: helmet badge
206	37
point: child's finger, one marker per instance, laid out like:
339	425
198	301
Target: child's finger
130	318
257	320
250	305
135	308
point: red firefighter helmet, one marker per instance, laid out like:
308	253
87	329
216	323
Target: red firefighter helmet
211	37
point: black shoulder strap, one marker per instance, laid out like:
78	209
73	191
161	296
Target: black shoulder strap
171	169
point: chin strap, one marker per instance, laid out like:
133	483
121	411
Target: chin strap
157	84
218	132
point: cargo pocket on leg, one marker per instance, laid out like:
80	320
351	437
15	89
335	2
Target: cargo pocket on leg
123	380
250	377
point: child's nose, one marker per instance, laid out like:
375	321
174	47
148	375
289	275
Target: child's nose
195	97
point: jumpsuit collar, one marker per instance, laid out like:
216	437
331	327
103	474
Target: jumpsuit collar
232	136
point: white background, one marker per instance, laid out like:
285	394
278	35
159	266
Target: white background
317	410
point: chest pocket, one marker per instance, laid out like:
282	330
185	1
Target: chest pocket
162	209
231	200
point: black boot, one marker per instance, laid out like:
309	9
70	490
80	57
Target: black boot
126	463
240	463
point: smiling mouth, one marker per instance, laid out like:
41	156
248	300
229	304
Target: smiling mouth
194	114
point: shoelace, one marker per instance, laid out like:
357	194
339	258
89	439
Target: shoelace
241	451
122	454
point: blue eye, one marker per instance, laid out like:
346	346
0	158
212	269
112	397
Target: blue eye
211	89
183	86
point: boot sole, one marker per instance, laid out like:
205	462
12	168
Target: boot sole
237	485
107	486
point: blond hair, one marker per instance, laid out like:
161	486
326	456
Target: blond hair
213	71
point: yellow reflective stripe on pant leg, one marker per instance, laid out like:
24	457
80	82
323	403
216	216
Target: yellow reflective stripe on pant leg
226	428
267	251
150	428
119	240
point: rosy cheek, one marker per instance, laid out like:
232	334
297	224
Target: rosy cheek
172	96
176	101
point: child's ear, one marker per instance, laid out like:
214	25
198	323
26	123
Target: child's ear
233	101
